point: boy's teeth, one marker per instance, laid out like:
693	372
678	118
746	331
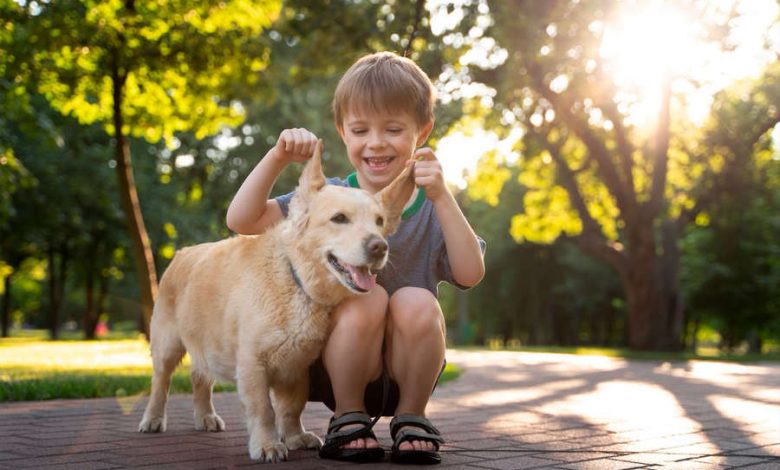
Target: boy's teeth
378	161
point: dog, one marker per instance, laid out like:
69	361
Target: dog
255	310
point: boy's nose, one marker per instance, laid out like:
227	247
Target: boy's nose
375	139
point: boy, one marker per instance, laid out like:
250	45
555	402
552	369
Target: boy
383	110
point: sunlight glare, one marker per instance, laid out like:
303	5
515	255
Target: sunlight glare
644	49
647	45
460	152
755	415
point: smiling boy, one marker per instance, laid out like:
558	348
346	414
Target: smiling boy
383	110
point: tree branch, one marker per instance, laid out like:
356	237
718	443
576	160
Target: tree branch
624	146
592	238
659	152
708	195
563	107
418	9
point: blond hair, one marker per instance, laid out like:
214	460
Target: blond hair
387	82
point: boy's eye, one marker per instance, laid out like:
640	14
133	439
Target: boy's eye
339	218
358	131
394	130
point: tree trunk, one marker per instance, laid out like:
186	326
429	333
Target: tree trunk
652	287
6	319
144	260
57	275
653	295
90	312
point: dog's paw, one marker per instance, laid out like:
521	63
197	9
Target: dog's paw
152	424
210	422
306	440
271	451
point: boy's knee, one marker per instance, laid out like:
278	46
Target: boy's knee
363	314
415	311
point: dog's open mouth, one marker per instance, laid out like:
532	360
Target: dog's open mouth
357	278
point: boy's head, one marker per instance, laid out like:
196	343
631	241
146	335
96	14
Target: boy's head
385	82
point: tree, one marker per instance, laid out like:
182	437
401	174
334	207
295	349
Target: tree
733	278
147	69
626	193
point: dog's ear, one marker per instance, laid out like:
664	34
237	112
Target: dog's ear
395	195
312	178
311	181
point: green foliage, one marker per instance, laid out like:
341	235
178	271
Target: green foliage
536	294
13	176
732	274
216	82
174	61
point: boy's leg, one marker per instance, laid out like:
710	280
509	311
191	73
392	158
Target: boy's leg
415	348
352	354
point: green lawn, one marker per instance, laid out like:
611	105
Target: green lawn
35	369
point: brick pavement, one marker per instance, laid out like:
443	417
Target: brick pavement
508	411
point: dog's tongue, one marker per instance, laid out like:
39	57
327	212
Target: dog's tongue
362	277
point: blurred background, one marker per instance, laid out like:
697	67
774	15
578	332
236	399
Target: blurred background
620	158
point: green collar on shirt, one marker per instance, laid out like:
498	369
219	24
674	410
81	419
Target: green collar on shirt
409	211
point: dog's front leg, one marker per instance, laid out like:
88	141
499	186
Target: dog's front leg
290	401
253	389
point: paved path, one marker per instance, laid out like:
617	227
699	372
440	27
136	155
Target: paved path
507	411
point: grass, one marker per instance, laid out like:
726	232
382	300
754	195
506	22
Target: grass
35	369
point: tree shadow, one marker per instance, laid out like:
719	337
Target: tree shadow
551	382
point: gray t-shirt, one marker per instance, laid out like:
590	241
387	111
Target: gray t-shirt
418	256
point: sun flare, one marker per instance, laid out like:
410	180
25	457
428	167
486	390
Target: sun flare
646	47
650	42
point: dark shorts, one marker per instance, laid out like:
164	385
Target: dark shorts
320	390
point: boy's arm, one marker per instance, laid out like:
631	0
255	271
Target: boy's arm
465	254
251	212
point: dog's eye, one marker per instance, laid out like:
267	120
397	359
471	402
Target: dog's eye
339	219
380	221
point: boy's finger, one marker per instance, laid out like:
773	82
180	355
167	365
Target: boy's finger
425	153
305	143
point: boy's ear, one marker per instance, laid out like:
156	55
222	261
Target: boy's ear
394	196
425	132
312	178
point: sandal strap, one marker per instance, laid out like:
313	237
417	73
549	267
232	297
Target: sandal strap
421	422
408	435
350	417
336	438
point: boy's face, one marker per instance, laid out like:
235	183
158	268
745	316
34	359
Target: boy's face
379	144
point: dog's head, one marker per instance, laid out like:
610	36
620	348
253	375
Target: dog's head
338	234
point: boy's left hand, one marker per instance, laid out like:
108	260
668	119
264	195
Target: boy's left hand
428	173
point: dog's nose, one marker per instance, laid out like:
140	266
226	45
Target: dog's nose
376	247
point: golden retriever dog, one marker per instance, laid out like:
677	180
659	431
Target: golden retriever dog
254	310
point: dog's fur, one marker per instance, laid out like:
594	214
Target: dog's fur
255	309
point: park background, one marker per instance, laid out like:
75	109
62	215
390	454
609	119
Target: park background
620	158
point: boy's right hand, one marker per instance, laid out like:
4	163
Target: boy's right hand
294	145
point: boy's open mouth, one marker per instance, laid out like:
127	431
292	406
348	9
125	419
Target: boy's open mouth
378	163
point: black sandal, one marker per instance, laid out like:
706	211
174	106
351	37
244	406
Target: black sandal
427	432
336	438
